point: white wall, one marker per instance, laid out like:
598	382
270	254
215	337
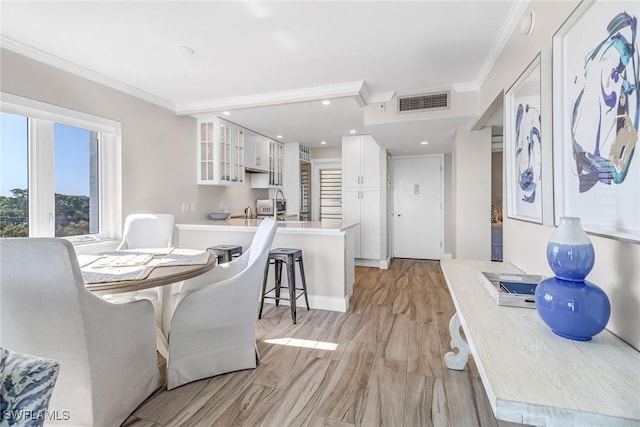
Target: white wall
385	164
326	153
496	176
449	235
236	198
471	154
158	147
525	243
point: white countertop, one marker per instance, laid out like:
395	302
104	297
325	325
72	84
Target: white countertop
238	224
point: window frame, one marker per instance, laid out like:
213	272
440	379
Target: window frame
334	171
41	165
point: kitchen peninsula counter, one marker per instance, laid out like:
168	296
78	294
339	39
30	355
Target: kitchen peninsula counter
283	226
327	250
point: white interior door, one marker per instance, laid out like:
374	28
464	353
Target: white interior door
418	223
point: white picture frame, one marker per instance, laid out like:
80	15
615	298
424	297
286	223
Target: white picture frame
525	137
595	120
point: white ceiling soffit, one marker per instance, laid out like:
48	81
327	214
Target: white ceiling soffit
404	138
306	122
355	90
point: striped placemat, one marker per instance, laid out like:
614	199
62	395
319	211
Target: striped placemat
181	257
93	275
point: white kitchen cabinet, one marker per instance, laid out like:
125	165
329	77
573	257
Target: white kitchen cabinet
363	206
220	152
262	153
362	195
275	165
278	171
370	223
351	212
364	161
256	148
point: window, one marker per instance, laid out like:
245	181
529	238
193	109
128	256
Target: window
305	191
330	194
14	160
58	174
76	181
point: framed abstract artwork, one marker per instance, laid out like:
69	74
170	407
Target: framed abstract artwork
596	70
523	145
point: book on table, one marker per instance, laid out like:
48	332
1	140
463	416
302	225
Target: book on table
516	290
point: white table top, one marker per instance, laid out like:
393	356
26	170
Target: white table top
533	376
160	275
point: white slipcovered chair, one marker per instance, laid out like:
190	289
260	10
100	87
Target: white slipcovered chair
147	231
213	327
107	352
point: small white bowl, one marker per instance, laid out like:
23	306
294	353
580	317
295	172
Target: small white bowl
219	215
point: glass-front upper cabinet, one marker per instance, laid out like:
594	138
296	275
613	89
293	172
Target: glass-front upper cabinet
279	164
220	152
274	165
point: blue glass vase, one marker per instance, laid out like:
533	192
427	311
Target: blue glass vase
571	306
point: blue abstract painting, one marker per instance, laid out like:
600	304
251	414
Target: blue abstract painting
597	116
524	145
604	119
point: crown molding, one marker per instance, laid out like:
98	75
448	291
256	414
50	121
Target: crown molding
466	87
510	23
512	20
357	90
54	61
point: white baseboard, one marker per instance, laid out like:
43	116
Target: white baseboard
377	263
446	256
318	302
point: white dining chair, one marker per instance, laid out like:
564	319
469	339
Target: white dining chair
107	352
213	327
146	230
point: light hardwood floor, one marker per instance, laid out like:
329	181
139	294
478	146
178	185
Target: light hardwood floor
379	364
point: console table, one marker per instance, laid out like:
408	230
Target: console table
531	375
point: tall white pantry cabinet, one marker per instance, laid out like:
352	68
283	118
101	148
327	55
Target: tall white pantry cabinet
361	193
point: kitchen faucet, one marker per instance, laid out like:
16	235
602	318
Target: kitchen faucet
275	208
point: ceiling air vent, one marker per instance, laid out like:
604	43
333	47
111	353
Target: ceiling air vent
431	101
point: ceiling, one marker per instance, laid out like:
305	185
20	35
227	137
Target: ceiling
223	55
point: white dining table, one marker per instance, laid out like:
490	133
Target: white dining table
110	275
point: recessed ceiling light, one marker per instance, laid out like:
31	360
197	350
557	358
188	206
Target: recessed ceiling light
226	113
323	142
352	131
326	102
424	142
279	136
